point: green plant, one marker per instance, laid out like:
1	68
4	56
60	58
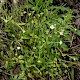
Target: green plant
38	44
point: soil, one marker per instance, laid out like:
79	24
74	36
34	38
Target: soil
75	46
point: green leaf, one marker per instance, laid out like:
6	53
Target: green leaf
78	32
30	75
64	47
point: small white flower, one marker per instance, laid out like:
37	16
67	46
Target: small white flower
24	12
75	29
34	47
38	61
60	42
18	48
61	33
51	27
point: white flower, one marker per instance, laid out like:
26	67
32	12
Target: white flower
34	47
18	48
38	61
24	12
75	29
62	32
51	27
60	42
